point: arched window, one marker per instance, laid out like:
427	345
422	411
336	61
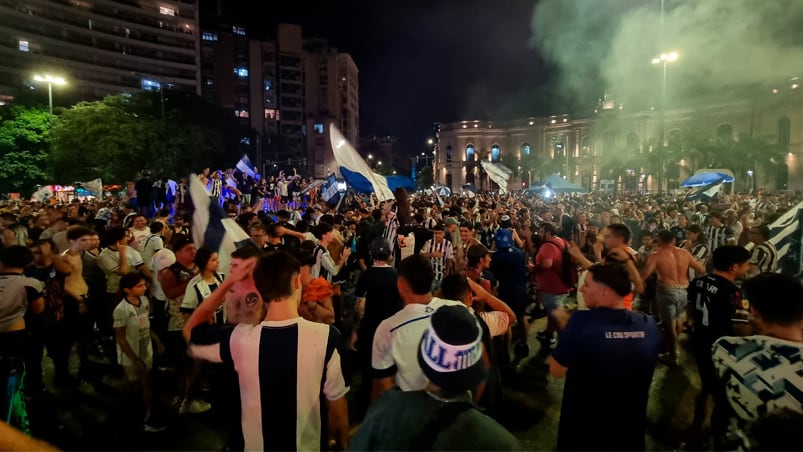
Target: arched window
448	154
525	150
784	128
496	154
725	132
632	140
585	146
609	142
470	153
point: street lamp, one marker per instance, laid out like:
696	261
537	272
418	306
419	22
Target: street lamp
50	80
370	156
664	59
430	141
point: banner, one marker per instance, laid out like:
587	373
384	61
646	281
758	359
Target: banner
246	166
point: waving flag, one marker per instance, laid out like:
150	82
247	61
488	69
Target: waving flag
43	194
498	173
246	166
95	186
211	228
347	158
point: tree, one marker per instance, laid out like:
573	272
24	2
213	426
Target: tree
425	180
24	141
119	136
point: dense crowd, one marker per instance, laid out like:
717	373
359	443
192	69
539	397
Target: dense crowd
422	304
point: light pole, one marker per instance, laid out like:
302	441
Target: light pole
50	80
664	59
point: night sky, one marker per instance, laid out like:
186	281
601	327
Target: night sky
423	61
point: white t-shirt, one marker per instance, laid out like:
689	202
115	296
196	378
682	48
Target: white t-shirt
152	244
109	262
137	330
199	290
139	238
161	260
396	342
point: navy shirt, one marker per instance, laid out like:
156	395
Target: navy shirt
610	355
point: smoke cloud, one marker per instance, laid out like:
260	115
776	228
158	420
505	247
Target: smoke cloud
725	47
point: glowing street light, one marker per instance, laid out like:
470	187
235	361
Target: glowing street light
430	141
379	163
370	156
50	80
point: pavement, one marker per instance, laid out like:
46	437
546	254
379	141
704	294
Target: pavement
99	416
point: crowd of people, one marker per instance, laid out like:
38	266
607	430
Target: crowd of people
421	304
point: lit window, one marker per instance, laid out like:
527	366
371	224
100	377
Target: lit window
495	153
238	30
167	11
268	85
89	23
241	72
210	82
525	150
241	113
151	85
245	140
23	46
208	36
470	153
272	113
318	128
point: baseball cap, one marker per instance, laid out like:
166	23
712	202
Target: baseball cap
450	352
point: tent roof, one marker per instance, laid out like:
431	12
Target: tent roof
558	184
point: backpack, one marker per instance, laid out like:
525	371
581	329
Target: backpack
568	274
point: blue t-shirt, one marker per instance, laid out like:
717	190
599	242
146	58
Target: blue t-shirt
610	355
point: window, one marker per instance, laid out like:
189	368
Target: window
496	154
725	132
241	72
150	85
449	180
238	30
525	150
89	24
210	82
167	11
470	153
241	113
246	141
448	154
609	142
632	141
784	128
318	127
209	36
23	46
272	113
268	85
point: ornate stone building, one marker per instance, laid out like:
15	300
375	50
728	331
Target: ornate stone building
598	151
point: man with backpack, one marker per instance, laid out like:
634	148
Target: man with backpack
554	277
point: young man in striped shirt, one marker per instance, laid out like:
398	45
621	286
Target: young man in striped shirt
764	256
286	365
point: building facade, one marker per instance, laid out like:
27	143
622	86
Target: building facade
331	97
601	151
284	89
100	47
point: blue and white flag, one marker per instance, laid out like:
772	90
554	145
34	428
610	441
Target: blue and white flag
785	234
95	186
211	228
43	194
348	159
246	166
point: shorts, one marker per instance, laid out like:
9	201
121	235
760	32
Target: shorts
552	301
130	371
671	302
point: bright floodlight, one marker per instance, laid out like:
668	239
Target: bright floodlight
47	78
666	58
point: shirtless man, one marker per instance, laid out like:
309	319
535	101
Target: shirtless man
672	265
75	286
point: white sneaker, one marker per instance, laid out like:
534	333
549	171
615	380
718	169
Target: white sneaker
194	407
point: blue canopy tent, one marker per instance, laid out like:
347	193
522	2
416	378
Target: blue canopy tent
361	184
707	178
560	185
